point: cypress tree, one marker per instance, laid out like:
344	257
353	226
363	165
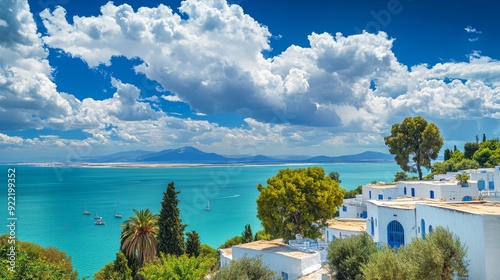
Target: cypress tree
171	229
193	244
247	235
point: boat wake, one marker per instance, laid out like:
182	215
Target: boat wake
224	197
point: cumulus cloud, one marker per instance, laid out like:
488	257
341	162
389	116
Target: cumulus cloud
209	55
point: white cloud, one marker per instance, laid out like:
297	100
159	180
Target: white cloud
306	98
172	98
470	29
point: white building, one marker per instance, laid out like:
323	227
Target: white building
287	262
356	207
342	228
353	208
442	190
476	223
392	222
380	191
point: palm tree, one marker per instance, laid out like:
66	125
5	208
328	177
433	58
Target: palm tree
138	237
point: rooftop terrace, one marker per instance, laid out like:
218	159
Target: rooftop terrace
474	207
275	246
347	224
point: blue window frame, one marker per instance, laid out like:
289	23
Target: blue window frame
395	234
467	198
413	192
344	208
432	194
423	228
404	191
369	194
372	230
380	196
284	275
430	228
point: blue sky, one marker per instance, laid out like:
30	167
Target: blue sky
240	77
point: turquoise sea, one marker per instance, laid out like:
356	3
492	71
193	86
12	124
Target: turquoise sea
50	201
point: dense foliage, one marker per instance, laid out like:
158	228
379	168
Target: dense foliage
175	268
296	201
475	155
117	270
33	261
171	229
439	256
414	142
353	193
245	269
346	256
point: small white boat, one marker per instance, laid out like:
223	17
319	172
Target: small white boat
100	222
85	211
117	215
208	206
97	217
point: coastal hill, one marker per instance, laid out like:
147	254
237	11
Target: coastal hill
192	155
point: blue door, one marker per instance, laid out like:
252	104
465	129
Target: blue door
480	185
413	192
372	227
395	234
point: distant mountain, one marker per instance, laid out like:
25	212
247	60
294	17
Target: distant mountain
192	155
368	156
185	155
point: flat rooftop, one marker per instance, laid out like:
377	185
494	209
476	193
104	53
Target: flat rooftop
347	224
474	207
382	186
403	203
275	246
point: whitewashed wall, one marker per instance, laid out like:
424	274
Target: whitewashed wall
470	228
383	215
278	263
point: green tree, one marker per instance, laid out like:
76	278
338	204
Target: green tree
400	176
462	177
171	229
175	268
139	240
235	240
247	235
469	149
346	256
440	256
482	156
245	269
193	244
415	138
35	262
484	138
117	270
295	199
447	154
210	256
384	264
262	235
452	251
421	260
353	193
335	176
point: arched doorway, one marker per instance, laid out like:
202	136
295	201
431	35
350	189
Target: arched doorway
395	234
